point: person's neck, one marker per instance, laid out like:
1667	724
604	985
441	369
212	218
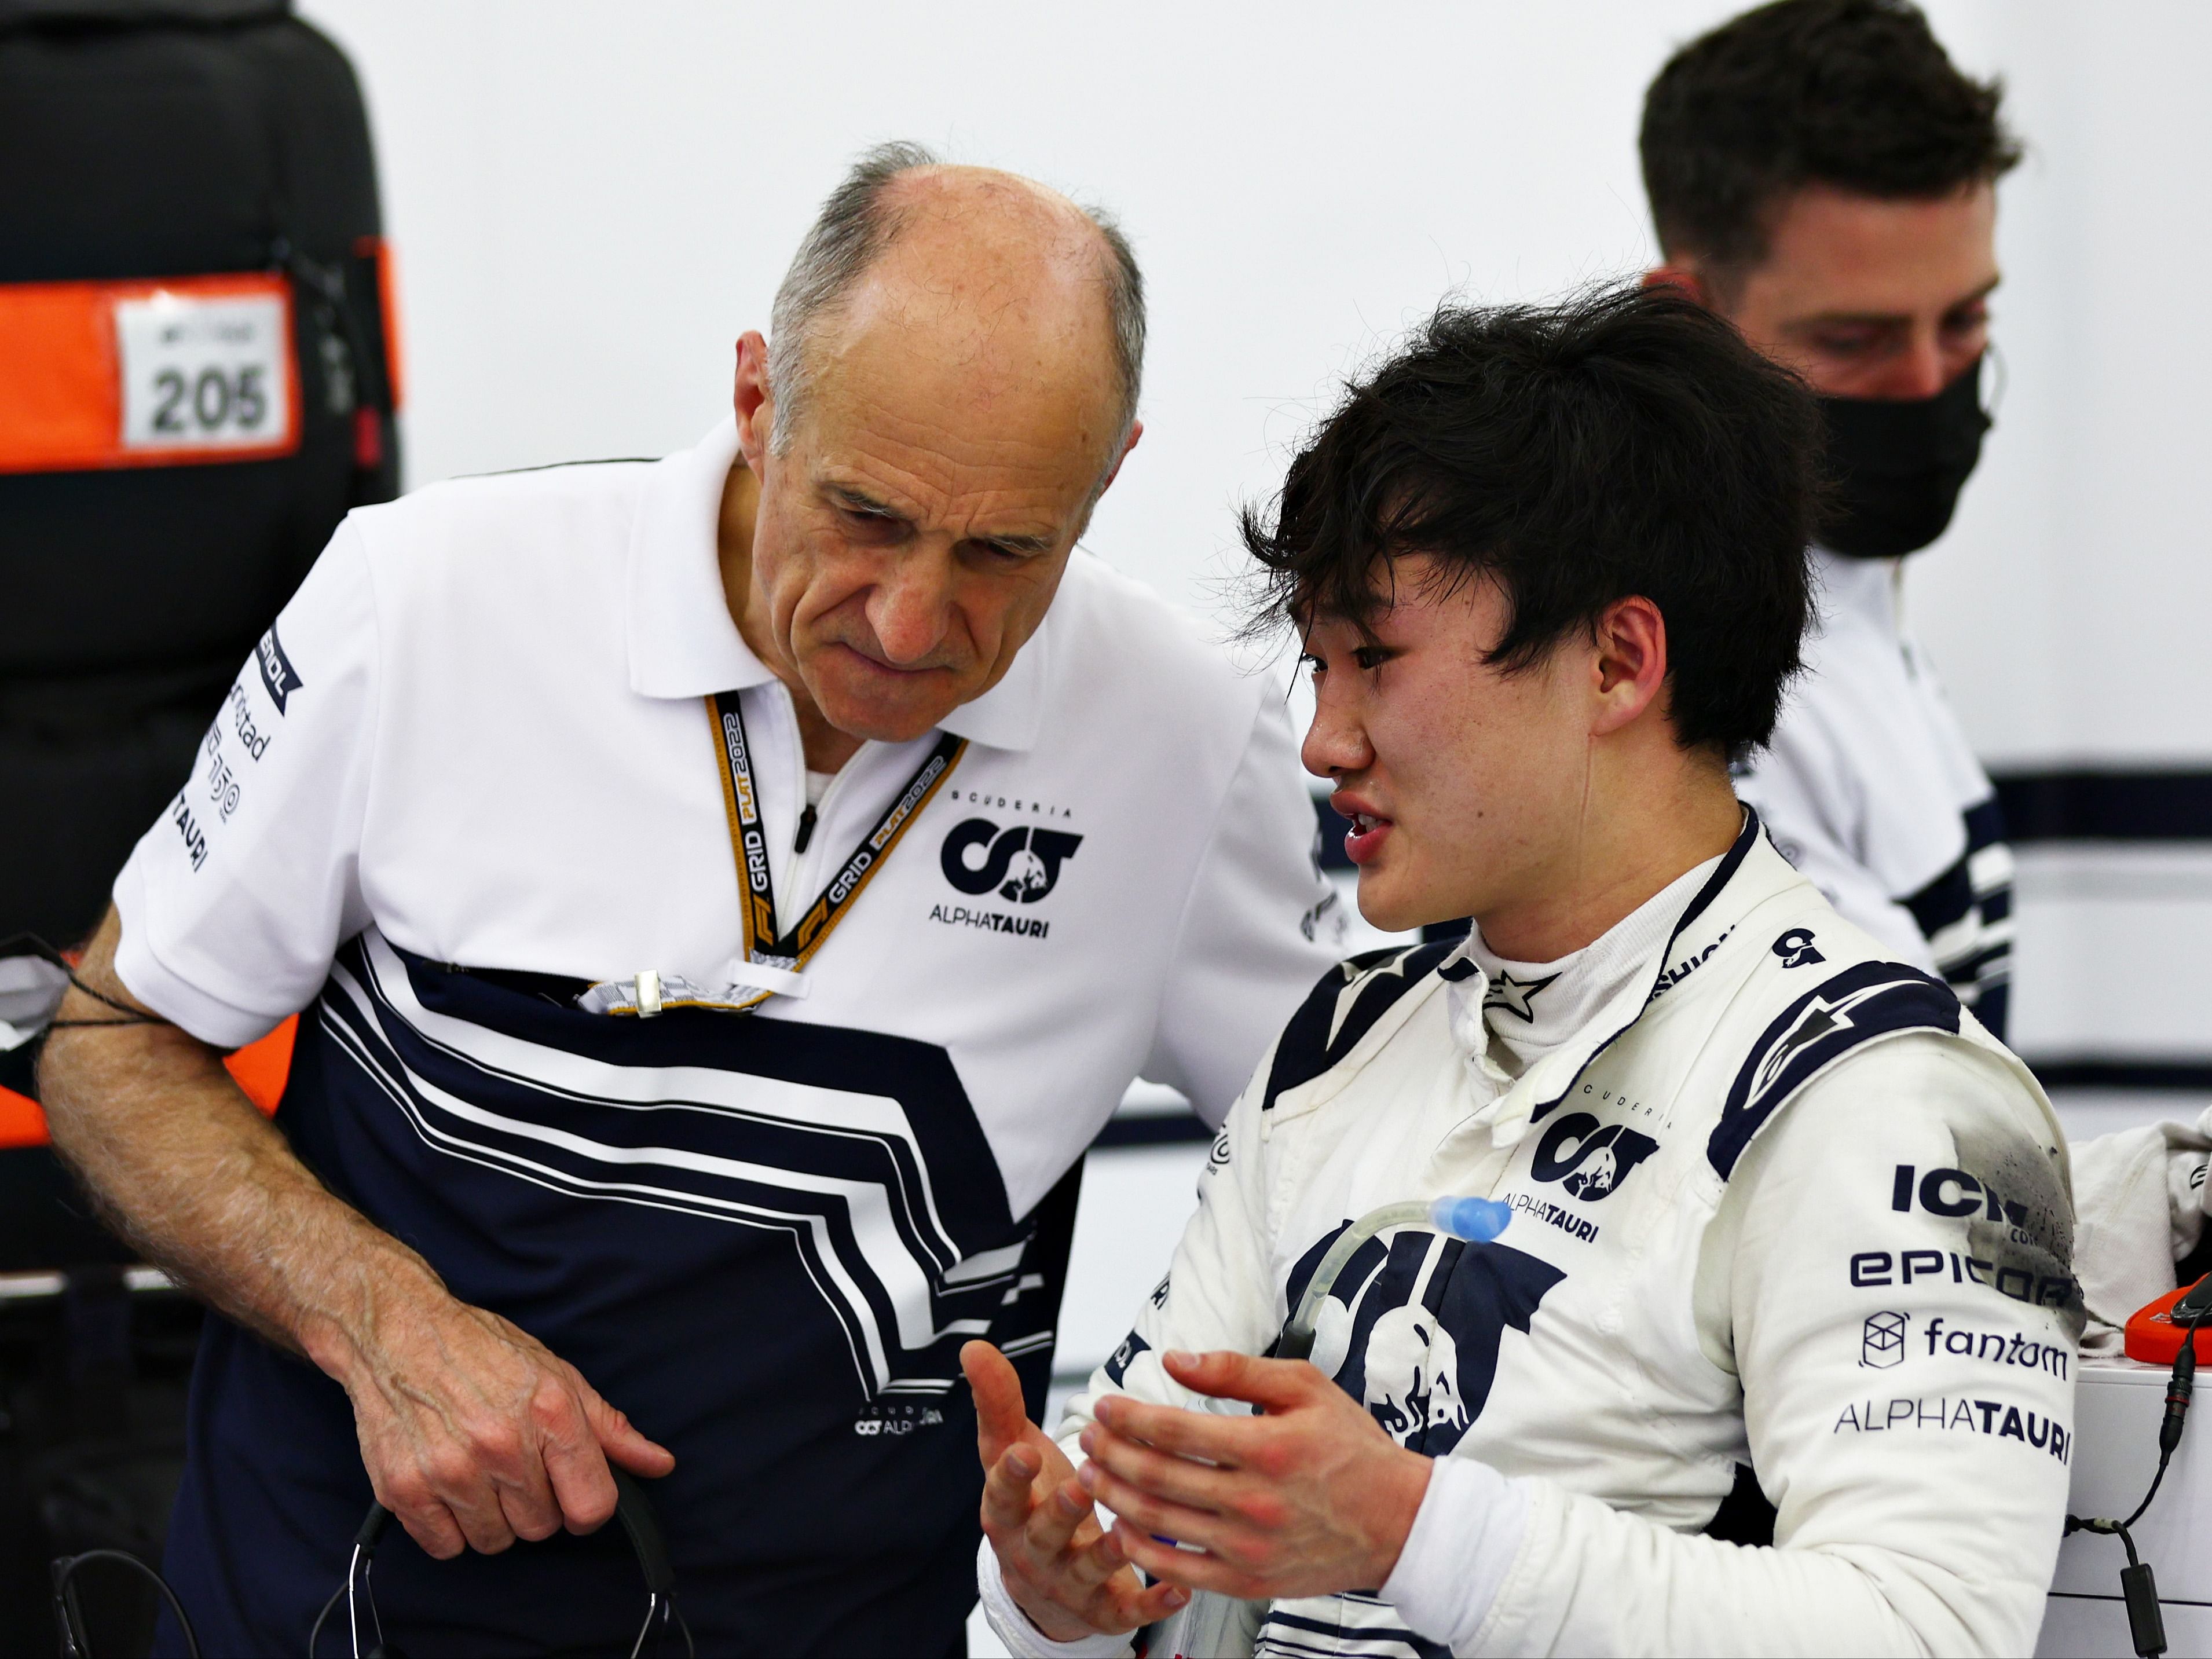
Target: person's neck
1632	841
827	748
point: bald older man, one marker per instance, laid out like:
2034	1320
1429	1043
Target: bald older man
727	896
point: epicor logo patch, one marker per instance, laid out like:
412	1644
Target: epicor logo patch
1022	865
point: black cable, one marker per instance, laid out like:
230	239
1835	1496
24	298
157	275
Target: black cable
30	945
2137	1587
138	1016
315	1636
66	1609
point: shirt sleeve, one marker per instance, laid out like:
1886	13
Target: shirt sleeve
1908	1398
1261	924
235	901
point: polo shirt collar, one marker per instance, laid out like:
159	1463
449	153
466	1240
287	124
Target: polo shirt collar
1008	716
683	643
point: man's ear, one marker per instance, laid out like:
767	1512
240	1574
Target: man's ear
1136	431
1676	274
1631	666
754	404
1083	525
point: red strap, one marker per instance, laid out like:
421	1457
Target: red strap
62	401
259	1068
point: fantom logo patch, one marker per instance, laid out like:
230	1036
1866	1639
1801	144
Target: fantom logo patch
1021	865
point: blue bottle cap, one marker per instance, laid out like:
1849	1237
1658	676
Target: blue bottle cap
1476	1219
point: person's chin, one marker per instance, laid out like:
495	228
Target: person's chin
1395	899
1385	902
883	706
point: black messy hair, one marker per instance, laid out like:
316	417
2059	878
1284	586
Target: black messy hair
1855	93
1625	442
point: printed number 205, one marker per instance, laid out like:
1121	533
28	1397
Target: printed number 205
210	401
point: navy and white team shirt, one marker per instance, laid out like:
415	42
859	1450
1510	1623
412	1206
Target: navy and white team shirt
469	772
1871	789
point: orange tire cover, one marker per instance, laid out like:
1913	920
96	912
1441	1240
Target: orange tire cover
259	1068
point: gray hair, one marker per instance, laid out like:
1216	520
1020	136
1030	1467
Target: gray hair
853	231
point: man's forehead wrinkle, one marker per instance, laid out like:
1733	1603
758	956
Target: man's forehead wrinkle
1020	318
971	369
992	491
1029	445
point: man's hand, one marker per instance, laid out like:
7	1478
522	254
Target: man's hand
1308	1500
1061	1568
476	1434
472	1432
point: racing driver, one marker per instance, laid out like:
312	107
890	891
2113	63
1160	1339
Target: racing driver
1659	1268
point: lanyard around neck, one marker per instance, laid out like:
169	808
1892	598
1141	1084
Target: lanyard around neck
791	948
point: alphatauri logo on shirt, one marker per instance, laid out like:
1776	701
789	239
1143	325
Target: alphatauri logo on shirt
1021	865
1590	1159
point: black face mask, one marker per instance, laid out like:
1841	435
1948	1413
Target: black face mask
1898	467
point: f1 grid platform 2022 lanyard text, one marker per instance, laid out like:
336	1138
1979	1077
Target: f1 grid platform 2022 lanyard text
788	951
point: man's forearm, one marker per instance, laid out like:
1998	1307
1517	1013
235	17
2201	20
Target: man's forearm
177	1156
472	1432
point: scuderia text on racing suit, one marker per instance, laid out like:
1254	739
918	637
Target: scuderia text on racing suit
1790	1265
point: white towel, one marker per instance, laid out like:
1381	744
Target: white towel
2139	1199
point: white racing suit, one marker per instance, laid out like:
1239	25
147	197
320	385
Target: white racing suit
1790	1264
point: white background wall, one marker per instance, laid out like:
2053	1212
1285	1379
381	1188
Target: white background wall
591	202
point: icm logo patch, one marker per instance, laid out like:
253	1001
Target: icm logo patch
1795	947
1590	1159
277	671
1882	1343
1021	865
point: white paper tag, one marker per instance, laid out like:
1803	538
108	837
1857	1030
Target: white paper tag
204	374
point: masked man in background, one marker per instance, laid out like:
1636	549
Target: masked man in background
1822	176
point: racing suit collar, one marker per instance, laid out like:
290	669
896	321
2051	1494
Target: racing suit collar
1531	1008
1610	983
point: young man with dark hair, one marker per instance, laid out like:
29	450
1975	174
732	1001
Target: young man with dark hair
1822	176
1785	1246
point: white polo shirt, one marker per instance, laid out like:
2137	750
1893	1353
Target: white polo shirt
477	739
1871	790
